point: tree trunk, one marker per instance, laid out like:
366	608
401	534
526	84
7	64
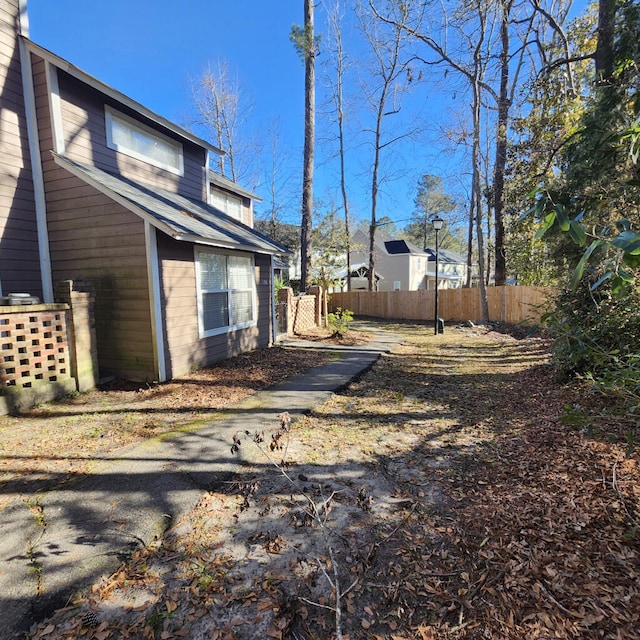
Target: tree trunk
470	244
476	194
501	149
606	31
341	138
309	139
374	194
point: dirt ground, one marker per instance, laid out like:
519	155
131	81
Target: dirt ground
455	491
121	413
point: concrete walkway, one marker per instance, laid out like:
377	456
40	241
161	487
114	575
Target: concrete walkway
58	546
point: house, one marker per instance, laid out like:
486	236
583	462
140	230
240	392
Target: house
99	190
452	269
402	266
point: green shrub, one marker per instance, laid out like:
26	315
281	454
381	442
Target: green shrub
594	330
339	322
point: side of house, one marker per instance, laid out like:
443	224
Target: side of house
126	211
452	269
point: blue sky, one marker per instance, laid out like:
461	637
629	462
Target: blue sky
149	49
152	50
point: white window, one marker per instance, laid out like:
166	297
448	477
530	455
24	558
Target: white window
227	203
226	292
126	135
397	285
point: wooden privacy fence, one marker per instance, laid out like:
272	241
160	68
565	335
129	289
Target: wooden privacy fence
513	305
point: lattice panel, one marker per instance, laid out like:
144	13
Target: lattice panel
304	313
33	348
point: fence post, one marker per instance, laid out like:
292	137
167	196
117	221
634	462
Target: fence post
82	332
317	292
285	296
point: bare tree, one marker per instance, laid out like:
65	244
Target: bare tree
511	26
279	178
388	75
217	99
473	70
338	57
476	81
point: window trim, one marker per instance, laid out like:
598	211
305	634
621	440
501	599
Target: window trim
112	114
202	333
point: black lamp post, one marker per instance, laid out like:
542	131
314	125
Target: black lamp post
437	223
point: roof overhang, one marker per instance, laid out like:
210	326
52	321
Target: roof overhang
360	270
179	217
230	185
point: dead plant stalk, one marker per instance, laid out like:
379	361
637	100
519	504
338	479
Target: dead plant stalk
319	512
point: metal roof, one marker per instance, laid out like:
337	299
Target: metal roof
179	217
444	255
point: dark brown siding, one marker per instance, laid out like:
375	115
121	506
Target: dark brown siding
185	350
83	114
19	258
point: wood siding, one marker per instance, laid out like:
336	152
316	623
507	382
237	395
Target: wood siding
85	139
513	305
19	257
184	348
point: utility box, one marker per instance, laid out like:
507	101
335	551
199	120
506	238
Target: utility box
18	298
440	325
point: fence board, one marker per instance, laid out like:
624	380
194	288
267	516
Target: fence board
513	305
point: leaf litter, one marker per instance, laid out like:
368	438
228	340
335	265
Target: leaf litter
439	496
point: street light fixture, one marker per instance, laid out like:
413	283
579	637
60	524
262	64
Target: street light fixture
437	223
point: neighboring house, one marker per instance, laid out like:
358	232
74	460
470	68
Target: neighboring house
97	189
402	266
452	269
359	278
